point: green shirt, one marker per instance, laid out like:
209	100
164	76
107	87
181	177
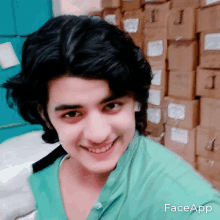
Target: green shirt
149	182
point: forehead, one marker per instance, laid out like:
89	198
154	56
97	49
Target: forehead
68	89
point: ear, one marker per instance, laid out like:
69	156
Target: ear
42	114
137	106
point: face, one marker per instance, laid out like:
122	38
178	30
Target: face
89	120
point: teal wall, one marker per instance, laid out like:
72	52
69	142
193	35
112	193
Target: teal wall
18	18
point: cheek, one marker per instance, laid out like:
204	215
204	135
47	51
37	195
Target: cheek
125	120
66	132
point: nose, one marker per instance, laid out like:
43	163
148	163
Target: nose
97	129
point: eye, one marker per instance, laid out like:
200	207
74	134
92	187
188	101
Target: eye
113	106
72	114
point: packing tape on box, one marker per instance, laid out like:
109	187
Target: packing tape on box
154	115
156	77
179	135
208	2
155	48
212	42
155	119
154	97
111	18
131	25
176	111
174	114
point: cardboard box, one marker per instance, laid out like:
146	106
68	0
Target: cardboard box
182	142
208	83
181	113
155	120
209	168
160	77
113	16
156	97
133	23
154	61
159	140
210	111
207	3
182	55
155	44
182	84
182	24
185	3
208	143
204	176
155	1
208	19
210	49
138	42
111	3
216	185
130	5
156	15
163	90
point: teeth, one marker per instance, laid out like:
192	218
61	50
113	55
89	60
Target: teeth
102	150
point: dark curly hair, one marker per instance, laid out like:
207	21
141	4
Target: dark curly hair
84	47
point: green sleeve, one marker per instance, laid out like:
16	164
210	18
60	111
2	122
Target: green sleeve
212	213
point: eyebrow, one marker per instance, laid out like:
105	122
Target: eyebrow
108	99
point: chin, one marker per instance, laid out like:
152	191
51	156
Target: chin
101	170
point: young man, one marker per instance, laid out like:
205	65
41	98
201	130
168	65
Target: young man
87	84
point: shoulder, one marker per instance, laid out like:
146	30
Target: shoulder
159	177
46	169
163	168
158	155
49	159
169	169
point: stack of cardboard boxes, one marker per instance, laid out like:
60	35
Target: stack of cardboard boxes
155	49
127	15
181	40
181	108
112	12
208	83
132	21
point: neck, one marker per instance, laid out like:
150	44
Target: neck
84	177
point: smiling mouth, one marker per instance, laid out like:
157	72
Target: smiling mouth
101	150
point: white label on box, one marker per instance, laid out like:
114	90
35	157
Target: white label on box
131	25
179	135
154	96
111	19
211	1
8	57
212	42
157	77
176	111
154	115
155	48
